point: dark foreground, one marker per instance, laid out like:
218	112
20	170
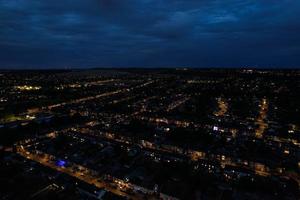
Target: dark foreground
150	134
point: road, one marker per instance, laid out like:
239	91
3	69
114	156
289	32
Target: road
261	119
82	173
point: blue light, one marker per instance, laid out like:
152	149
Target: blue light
61	163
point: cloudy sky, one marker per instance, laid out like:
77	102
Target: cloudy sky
149	33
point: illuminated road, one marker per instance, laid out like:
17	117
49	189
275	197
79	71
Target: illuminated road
258	168
176	104
87	98
261	119
223	108
80	100
113	185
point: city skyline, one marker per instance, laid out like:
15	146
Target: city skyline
155	134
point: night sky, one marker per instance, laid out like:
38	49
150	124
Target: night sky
149	33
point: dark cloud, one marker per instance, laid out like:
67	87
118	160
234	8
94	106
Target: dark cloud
145	33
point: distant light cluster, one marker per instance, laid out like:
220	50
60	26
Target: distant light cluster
28	87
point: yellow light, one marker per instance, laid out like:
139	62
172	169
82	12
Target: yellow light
286	151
